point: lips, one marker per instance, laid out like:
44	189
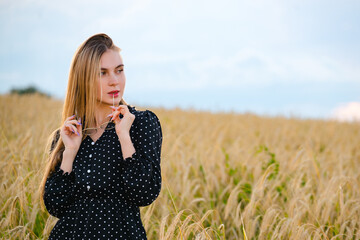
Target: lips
114	92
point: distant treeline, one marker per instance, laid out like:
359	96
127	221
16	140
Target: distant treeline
28	90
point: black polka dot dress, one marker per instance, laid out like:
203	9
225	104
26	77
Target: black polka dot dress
100	198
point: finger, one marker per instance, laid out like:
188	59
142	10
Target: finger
114	108
70	127
65	127
118	118
79	127
117	121
76	122
71	117
73	129
115	115
67	130
118	112
124	109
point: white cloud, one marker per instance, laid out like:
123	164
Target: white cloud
191	45
250	66
311	67
347	112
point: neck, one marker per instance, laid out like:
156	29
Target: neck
101	112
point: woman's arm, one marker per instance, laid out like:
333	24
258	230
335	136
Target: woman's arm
59	186
141	172
59	192
127	146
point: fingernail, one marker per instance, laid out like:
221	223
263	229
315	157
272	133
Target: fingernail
73	131
80	123
109	115
80	120
78	134
73	115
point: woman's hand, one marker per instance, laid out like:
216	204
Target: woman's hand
123	125
71	134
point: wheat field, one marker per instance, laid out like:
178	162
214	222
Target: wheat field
225	176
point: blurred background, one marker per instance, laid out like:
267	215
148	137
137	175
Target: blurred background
289	58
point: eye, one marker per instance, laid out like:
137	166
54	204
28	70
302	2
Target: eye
102	73
120	70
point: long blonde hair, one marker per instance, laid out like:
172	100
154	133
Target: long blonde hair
80	96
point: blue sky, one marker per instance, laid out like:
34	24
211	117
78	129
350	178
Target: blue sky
293	58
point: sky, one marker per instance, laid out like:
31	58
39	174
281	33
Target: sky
289	58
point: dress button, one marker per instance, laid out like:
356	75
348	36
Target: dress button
90	155
88	170
88	188
92	143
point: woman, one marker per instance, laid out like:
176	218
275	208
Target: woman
104	161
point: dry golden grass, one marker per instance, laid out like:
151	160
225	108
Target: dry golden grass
225	176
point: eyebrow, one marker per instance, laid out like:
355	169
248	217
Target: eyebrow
121	65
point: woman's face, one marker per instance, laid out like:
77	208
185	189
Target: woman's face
112	78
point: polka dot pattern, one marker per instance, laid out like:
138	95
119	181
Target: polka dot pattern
100	198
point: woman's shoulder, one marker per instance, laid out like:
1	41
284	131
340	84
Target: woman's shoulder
144	116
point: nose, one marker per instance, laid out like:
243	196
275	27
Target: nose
113	79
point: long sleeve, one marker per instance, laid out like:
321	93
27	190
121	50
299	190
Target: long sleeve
141	173
59	189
